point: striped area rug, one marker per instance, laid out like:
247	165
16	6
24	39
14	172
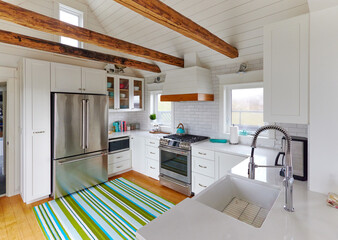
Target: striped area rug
112	210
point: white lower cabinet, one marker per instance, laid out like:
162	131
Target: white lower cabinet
226	162
208	166
153	169
36	130
200	182
203	166
139	162
118	162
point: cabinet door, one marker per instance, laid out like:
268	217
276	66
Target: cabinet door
66	78
94	81
124	93
111	87
286	66
226	162
36	118
138	94
139	162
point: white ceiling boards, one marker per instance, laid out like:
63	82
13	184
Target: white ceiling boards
238	22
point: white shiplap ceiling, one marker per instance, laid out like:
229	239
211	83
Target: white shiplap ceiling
238	22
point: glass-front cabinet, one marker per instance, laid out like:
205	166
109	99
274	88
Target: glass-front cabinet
125	93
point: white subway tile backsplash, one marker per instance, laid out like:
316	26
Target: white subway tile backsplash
202	118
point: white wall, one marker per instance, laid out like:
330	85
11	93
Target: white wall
323	130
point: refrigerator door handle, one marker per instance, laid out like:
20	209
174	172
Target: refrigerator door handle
67	161
87	122
83	123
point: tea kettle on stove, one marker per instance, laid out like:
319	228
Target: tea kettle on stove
180	129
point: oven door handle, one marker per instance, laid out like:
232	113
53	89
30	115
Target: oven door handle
118	139
172	150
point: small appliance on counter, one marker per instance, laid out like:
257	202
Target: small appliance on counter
299	157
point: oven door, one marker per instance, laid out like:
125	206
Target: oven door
175	163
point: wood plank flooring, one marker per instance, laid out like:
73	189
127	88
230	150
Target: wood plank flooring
17	220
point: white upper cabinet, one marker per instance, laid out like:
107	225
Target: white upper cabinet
66	78
36	130
286	71
75	79
125	93
94	81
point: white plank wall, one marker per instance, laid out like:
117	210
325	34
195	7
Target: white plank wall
238	22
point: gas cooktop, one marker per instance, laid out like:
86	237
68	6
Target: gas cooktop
181	141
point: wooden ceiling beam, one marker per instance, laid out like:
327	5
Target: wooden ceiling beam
30	19
53	47
165	15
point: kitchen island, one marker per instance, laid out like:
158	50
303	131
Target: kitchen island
190	219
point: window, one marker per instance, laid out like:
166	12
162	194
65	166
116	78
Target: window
71	16
163	110
244	107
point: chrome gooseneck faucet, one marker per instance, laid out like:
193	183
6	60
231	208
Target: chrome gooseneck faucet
288	180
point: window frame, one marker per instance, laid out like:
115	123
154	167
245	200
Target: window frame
228	99
153	106
225	106
74	8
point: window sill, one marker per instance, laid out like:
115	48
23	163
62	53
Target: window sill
263	141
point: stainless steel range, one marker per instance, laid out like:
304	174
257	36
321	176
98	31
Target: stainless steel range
175	161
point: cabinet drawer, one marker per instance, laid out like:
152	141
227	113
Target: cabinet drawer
152	142
118	167
118	157
203	166
152	153
203	153
153	169
200	182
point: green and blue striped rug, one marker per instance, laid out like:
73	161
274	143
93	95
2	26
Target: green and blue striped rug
112	210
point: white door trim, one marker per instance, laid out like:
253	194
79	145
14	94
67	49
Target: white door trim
8	75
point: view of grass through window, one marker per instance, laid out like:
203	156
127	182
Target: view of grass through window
247	108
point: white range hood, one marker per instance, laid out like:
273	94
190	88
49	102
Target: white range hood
188	84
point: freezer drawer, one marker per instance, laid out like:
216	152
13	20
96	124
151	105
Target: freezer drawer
75	174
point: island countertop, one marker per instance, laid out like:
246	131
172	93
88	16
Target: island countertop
190	219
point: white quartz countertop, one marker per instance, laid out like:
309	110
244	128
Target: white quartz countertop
268	154
190	219
145	134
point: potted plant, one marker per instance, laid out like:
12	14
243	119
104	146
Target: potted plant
152	117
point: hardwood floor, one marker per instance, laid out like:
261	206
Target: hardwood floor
17	220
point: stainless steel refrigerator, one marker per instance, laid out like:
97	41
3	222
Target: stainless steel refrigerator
80	142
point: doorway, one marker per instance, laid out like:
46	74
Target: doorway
3	97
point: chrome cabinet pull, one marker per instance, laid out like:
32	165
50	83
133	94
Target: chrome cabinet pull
200	153
152	153
118	157
38	132
152	167
151	142
202	185
202	166
119	166
80	89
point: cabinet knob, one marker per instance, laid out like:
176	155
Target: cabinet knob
83	89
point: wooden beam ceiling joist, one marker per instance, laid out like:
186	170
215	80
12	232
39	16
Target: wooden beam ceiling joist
30	19
53	47
165	15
